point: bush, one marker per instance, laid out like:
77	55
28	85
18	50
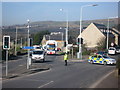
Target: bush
86	52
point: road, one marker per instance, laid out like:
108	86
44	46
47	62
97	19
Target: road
13	64
78	74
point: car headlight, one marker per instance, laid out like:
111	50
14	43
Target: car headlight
42	56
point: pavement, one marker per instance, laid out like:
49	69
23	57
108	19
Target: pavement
108	81
22	71
111	80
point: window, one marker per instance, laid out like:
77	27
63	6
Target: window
95	56
37	52
99	57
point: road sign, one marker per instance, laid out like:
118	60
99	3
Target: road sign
27	47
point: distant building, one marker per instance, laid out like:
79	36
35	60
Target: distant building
58	36
95	34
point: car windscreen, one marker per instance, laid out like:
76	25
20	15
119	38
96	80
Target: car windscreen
100	52
111	48
37	52
104	56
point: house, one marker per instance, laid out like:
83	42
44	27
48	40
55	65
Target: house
58	36
95	34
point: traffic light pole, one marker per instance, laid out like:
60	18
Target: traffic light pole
6	63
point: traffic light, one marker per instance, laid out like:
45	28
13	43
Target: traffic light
31	41
64	44
81	40
78	40
6	42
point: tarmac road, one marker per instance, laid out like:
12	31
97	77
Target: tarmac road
78	74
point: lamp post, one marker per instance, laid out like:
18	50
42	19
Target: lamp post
16	42
107	34
28	44
61	34
81	10
66	28
108	27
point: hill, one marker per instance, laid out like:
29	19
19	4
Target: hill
54	26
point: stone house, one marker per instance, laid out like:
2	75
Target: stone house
95	34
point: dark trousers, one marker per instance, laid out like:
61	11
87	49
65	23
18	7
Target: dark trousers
65	62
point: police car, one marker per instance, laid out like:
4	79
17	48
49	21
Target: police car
101	59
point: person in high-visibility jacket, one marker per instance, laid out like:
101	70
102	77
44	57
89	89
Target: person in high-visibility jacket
65	59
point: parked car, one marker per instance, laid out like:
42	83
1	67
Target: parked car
112	50
38	55
102	53
31	51
117	49
101	59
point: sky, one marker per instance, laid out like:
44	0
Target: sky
19	12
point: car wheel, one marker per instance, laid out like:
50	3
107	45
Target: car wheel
91	61
105	63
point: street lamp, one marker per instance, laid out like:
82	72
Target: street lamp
66	28
108	25
28	44
61	34
107	34
16	42
80	48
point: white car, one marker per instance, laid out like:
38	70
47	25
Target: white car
38	55
118	49
112	50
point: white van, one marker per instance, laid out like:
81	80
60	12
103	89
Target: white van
38	55
112	50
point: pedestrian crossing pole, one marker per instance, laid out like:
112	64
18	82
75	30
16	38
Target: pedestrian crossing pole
6	46
6	63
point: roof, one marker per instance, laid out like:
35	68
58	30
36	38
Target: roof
100	26
54	37
103	27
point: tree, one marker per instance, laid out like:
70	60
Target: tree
101	44
37	38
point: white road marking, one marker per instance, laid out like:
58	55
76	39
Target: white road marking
46	84
21	65
76	60
100	80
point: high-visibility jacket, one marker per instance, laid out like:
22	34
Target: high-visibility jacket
65	57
